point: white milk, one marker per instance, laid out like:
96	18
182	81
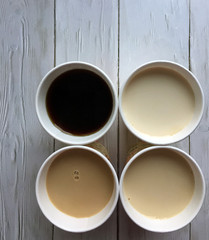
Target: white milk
158	102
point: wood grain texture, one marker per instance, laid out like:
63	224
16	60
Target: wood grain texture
152	31
199	53
117	36
87	31
26	54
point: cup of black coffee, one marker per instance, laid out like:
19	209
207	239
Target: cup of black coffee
76	103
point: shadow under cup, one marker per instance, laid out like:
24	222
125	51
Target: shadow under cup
77	96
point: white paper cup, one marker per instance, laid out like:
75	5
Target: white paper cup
62	220
44	118
181	219
198	109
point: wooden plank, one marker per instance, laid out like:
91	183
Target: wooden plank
26	55
150	31
199	53
87	31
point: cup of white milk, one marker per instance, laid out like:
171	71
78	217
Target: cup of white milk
161	102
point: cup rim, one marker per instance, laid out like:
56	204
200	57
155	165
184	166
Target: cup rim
51	158
190	159
161	140
74	139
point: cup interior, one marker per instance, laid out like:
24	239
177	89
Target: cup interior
179	220
198	110
42	111
63	220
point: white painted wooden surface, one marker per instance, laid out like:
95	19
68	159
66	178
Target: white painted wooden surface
117	36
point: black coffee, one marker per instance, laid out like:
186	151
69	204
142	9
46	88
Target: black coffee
79	102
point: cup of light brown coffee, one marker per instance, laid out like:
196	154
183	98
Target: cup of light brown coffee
162	188
77	188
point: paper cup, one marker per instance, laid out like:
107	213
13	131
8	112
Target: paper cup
46	121
62	220
178	134
183	217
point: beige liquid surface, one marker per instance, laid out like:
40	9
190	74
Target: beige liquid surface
159	184
79	183
158	102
